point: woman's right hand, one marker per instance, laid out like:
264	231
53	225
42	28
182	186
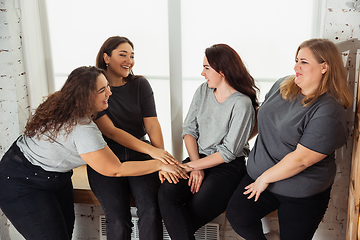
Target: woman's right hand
170	177
256	188
179	170
163	155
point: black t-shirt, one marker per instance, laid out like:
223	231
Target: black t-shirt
128	105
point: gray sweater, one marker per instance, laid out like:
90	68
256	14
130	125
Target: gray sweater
220	127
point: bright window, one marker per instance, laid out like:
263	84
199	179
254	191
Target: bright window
265	35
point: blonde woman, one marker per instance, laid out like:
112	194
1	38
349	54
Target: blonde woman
292	165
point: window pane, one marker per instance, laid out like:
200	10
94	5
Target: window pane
79	27
264	33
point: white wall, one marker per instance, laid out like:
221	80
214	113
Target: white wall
14	105
342	23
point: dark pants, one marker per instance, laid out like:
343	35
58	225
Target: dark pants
113	194
184	213
298	217
39	203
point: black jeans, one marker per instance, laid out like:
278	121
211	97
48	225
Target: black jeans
298	217
184	213
39	203
113	194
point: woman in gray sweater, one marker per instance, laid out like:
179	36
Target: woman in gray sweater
216	132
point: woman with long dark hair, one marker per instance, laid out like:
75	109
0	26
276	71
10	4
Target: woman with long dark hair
216	131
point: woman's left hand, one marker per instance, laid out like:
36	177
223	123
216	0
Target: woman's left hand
195	180
256	188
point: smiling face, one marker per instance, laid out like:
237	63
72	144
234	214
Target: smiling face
309	71
213	78
121	60
102	93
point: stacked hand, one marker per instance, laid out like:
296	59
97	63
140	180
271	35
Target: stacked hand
163	155
172	173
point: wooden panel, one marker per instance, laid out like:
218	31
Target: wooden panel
353	229
82	190
85	197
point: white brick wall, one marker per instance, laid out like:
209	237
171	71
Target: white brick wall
14	107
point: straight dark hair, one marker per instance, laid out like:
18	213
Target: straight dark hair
108	47
224	59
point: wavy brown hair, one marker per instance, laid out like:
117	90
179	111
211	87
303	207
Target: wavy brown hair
333	81
108	46
224	59
64	109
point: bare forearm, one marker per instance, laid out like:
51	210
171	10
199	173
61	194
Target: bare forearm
120	136
137	168
129	141
292	164
284	169
207	162
156	137
106	163
203	163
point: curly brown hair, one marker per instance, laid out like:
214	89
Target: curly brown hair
64	109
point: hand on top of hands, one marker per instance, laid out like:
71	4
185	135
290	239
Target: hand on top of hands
179	170
163	155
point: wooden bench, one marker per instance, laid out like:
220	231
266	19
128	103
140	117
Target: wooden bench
82	190
84	195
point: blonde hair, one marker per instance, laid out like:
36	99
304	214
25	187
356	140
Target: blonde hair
333	81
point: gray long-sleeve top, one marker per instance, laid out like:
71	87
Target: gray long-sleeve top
220	127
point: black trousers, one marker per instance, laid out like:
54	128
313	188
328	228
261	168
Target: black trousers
298	217
39	203
184	213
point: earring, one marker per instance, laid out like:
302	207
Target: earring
106	64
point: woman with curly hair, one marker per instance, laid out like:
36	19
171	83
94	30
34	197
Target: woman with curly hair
35	173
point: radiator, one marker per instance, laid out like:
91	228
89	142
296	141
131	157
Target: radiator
208	232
